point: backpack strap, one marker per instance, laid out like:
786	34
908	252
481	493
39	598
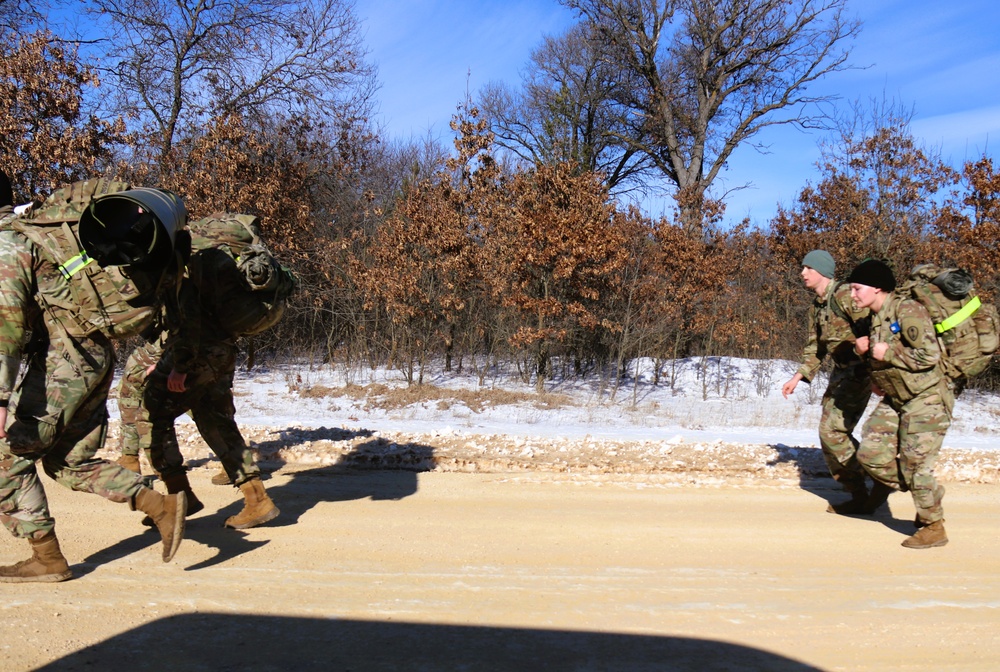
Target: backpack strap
955	319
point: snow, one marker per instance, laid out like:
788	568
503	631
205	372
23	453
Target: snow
727	400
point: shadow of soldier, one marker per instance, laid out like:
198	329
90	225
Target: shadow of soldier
228	544
814	478
377	469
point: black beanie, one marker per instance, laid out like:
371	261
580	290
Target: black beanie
6	195
873	273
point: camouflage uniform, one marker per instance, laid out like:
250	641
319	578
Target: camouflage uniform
915	412
849	389
60	414
207	354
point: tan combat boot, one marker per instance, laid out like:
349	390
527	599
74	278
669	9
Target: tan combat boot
221	478
167	513
46	564
179	483
257	507
130	462
931	535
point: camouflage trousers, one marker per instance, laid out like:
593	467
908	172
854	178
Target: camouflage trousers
60	420
901	442
844	403
148	410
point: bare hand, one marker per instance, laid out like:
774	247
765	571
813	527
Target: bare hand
861	345
175	381
790	386
879	350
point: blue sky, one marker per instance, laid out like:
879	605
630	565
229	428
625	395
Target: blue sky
940	58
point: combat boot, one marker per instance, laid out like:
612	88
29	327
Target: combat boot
931	535
221	478
179	483
877	497
856	504
167	513
257	507
130	462
46	564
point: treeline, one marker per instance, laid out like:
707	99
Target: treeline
414	257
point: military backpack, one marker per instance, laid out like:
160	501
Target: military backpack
968	329
111	254
239	279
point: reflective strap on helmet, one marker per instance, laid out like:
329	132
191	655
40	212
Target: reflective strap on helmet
967	311
74	265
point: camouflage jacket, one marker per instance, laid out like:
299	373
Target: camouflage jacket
912	363
193	327
19	311
831	331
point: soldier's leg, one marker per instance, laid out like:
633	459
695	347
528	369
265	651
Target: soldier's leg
880	444
215	418
72	462
924	422
159	436
24	510
135	426
215	415
844	403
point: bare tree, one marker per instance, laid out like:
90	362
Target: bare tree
48	133
565	111
184	61
711	74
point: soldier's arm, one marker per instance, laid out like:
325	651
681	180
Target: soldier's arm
814	352
917	347
16	286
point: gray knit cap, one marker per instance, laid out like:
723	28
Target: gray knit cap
821	262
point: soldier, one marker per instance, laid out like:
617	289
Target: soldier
834	322
59	407
192	369
917	401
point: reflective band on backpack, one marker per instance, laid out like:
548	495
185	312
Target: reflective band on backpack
75	265
967	311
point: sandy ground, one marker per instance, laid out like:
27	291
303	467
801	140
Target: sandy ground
498	564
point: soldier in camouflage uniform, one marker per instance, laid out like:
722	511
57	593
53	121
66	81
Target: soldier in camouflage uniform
834	322
59	416
191	368
903	436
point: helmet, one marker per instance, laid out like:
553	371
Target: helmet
133	227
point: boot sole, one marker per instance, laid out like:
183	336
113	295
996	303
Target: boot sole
42	578
259	520
935	544
179	520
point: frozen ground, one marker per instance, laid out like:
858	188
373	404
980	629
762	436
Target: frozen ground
719	418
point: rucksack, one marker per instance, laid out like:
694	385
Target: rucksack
968	329
84	297
243	285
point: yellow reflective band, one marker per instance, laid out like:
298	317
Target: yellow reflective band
967	311
75	265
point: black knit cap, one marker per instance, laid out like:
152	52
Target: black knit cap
6	194
873	273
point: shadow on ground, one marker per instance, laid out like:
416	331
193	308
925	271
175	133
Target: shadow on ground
222	642
814	477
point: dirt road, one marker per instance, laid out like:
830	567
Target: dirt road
396	570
